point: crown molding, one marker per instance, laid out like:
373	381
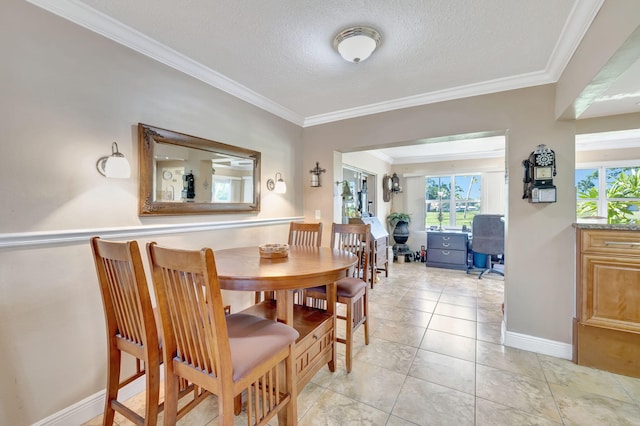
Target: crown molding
581	17
483	88
112	29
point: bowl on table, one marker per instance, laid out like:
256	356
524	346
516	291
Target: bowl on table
273	251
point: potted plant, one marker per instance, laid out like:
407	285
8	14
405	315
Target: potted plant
396	217
400	222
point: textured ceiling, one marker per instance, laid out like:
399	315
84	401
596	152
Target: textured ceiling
278	54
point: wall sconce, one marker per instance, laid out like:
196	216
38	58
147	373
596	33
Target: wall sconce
395	183
115	165
346	195
278	186
315	175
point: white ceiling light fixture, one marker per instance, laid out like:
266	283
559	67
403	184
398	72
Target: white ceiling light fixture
356	44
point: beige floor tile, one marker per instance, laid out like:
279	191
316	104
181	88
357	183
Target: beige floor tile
444	370
585	379
397	421
427	403
632	386
423	294
490	332
454	299
429	285
458	326
516	391
392	313
493	315
335	409
370	384
449	344
400	332
583	408
489	413
424	305
509	359
390	355
456	311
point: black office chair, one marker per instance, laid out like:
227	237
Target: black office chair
488	239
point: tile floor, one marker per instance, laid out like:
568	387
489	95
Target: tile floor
435	358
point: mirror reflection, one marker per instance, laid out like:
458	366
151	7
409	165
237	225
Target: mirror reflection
182	174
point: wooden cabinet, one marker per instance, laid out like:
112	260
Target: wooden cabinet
379	260
607	324
314	347
447	249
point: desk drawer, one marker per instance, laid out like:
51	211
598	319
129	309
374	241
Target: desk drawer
446	241
457	257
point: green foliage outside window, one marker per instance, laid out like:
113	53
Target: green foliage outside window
622	195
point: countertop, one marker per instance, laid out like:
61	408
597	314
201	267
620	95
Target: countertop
607	227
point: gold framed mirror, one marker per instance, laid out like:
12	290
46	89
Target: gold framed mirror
183	174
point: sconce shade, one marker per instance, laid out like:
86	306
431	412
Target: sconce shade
115	165
278	186
357	43
281	187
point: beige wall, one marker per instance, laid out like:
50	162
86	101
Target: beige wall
540	270
67	93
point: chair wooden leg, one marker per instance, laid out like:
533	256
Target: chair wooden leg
288	416
171	384
226	408
349	335
113	384
152	378
365	310
237	404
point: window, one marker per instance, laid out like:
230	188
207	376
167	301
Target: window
451	201
608	192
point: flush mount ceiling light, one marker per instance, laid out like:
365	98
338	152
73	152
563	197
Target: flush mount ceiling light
356	44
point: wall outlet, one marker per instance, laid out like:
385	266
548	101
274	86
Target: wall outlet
318	215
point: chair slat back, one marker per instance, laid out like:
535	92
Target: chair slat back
305	234
125	295
191	308
353	237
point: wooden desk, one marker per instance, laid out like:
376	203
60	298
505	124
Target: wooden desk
243	269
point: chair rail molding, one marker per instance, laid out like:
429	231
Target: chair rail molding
44	238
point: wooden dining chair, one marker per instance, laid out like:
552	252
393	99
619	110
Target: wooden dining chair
305	234
351	290
224	354
131	328
300	234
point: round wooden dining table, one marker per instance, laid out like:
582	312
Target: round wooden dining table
243	269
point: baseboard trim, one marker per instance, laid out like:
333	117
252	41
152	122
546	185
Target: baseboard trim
538	345
90	407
